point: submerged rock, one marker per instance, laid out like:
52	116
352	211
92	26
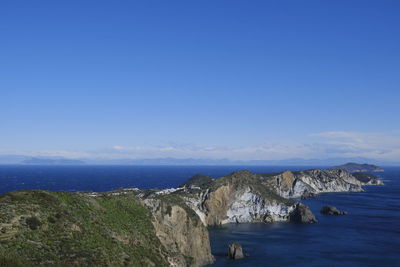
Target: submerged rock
330	210
235	251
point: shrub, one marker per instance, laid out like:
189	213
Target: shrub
33	222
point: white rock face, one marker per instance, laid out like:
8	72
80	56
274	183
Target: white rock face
374	182
196	205
335	185
241	207
290	185
249	207
298	189
243	197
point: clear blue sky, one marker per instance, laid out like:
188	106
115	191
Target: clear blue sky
230	76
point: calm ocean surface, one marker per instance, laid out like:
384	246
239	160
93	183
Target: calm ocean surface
368	236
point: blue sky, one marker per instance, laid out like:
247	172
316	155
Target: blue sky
232	79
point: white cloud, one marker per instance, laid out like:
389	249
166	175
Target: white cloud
264	151
322	145
357	144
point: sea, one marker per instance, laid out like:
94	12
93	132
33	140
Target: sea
368	236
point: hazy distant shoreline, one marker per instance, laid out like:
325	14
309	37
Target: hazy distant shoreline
29	160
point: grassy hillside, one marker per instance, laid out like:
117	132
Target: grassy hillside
64	229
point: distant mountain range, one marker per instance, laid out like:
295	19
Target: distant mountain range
52	161
29	160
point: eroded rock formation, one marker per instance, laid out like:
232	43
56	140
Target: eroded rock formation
302	183
235	251
181	232
238	198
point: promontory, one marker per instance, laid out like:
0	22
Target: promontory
136	227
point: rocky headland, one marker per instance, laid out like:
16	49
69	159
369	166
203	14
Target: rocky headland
134	227
367	178
240	197
311	182
356	167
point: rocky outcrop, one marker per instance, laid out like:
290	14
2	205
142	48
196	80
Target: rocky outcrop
356	167
156	227
181	232
240	197
235	251
197	181
230	205
304	183
302	214
367	178
330	210
244	197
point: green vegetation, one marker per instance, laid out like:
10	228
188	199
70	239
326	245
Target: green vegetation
70	229
12	260
198	180
269	174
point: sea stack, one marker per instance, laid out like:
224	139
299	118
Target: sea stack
235	251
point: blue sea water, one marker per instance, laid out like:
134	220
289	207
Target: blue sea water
368	236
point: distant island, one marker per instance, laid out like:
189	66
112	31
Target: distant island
51	161
169	161
356	167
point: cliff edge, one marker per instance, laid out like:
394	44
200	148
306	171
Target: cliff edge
98	229
134	227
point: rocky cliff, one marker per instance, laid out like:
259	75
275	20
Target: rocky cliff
238	198
305	183
99	229
367	178
180	231
246	197
133	227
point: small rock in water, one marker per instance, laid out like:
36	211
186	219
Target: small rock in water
302	214
235	251
330	210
